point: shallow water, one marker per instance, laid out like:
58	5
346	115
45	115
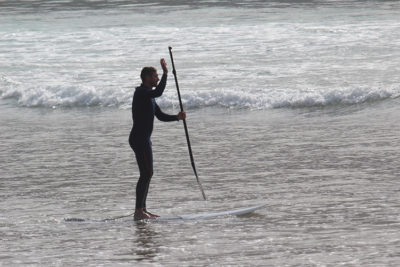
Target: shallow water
328	177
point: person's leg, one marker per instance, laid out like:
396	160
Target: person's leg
144	159
149	163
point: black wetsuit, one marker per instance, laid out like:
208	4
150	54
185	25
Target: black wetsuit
144	107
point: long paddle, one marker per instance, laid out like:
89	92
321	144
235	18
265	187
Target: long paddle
185	126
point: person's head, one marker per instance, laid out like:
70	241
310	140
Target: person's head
149	76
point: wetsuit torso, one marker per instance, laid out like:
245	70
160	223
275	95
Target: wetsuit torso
144	108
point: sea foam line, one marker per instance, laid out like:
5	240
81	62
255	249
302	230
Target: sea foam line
82	96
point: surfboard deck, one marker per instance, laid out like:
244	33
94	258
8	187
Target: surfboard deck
187	217
211	215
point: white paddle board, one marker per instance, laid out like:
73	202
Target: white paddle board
187	217
211	215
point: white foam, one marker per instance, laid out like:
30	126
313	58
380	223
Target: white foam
293	99
59	96
73	96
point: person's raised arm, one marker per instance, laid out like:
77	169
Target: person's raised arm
164	66
163	82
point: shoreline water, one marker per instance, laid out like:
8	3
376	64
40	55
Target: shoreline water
327	176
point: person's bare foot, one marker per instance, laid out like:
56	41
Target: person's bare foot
141	214
151	214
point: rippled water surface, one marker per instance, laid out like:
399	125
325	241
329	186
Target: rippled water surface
328	177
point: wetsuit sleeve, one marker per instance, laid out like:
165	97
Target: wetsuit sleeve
164	117
159	89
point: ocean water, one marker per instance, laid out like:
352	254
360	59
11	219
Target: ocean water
294	104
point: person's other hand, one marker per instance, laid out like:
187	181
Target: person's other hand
164	65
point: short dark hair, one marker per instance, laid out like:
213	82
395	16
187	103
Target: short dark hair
147	71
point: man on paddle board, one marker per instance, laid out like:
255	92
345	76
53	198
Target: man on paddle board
144	108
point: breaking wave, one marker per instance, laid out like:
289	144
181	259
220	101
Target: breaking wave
86	96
